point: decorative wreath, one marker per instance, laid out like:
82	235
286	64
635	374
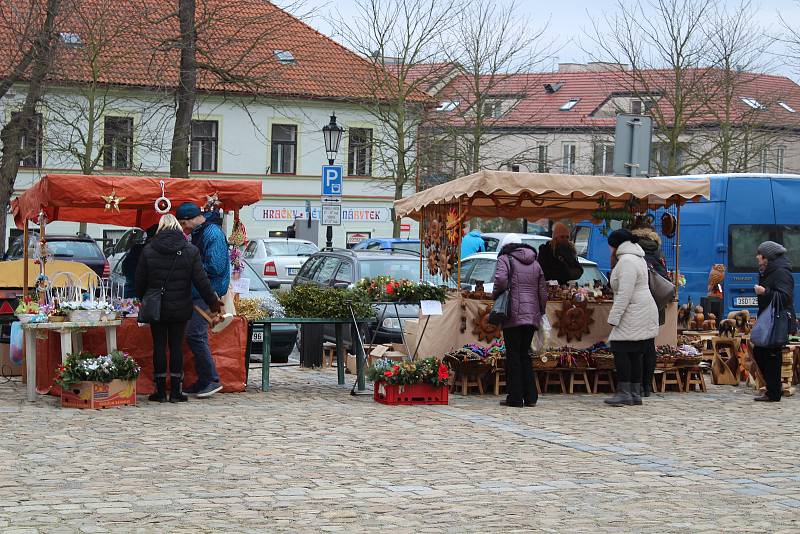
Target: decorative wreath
455	226
445	264
668	225
433	262
162	204
434	234
573	320
482	328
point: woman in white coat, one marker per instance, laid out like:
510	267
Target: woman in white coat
633	316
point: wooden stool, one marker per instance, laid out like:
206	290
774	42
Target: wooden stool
694	377
583	380
468	381
558	380
499	380
604	377
328	354
671	377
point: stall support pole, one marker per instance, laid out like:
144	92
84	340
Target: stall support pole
26	372
677	253
421	243
458	246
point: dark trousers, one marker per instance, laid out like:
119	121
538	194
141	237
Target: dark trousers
519	369
649	364
628	360
172	334
769	362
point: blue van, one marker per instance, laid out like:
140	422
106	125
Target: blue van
744	210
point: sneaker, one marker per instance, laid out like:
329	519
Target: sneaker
209	390
193	389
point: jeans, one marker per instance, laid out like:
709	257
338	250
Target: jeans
519	369
197	338
769	362
172	334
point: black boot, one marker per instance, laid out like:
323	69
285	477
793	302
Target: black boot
160	394
176	393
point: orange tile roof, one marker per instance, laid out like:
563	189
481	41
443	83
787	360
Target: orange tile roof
241	36
535	107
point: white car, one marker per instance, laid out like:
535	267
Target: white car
493	240
480	267
278	259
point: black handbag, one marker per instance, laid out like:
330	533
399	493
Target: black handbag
150	308
499	313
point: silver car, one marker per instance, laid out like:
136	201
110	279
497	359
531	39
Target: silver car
278	260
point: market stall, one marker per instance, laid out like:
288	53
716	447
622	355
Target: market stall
578	315
124	201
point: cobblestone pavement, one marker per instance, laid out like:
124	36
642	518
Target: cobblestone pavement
308	457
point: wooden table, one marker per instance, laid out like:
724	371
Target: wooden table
70	334
338	324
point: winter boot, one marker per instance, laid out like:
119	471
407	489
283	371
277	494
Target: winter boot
176	394
160	394
647	389
636	394
622	397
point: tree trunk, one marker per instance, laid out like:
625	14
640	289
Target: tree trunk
11	135
186	92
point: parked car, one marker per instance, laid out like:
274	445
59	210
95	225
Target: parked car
115	254
389	243
283	335
277	259
493	240
480	267
342	268
79	248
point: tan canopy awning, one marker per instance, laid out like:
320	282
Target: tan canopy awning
540	195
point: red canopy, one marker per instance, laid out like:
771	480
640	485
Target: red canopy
79	197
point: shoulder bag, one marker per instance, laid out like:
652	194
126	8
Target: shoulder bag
499	313
663	290
773	325
150	309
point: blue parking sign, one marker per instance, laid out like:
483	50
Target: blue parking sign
331	180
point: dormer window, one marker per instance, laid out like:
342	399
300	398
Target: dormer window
72	40
569	104
493	109
753	103
448	105
285	57
787	107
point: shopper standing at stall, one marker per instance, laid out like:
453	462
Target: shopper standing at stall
520	273
171	266
210	240
633	315
775	281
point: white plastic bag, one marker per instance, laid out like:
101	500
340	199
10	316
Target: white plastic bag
542	336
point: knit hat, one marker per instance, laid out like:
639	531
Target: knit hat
510	239
187	210
618	237
771	249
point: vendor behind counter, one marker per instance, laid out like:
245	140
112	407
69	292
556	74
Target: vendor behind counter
558	257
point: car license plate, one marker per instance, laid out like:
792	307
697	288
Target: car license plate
258	336
293	270
745	301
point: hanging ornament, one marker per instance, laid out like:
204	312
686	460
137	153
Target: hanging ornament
238	233
112	201
162	203
212	202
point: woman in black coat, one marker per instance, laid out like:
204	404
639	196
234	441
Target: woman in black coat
170	262
775	278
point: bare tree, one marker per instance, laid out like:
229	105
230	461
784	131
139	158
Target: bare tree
400	38
39	62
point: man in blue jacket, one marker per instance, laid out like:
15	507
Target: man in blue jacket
472	243
210	239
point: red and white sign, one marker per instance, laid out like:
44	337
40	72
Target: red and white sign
405	227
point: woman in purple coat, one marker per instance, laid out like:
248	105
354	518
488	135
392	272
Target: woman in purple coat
518	270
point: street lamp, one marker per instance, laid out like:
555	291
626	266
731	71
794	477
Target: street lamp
332	134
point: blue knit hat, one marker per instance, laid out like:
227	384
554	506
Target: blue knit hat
187	210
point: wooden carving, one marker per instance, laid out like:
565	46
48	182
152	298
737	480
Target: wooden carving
482	328
574	319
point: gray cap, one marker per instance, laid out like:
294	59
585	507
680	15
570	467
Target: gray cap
771	249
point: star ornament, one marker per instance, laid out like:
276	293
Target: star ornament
112	201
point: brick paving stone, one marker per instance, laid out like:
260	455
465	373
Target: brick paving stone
308	457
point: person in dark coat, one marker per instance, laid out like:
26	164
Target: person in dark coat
558	257
170	262
526	306
131	260
775	278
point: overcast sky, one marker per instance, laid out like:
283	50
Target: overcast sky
569	19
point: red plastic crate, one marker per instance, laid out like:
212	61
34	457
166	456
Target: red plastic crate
409	394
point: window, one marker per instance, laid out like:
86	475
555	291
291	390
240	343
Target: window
345	273
204	146
743	240
764	159
569	104
324	274
580	237
250	251
290	248
753	103
30	144
514	168
284	148
787	107
483	272
285	57
636	107
448	105
603	158
359	152
780	152
542	159
660	159
569	158
72	40
493	109
118	143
